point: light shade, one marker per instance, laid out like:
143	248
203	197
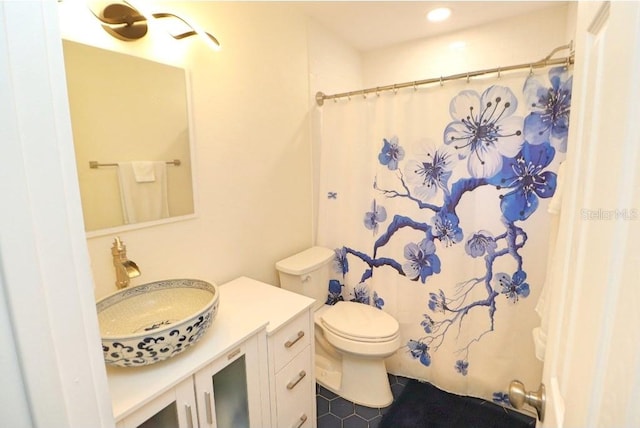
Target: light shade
127	23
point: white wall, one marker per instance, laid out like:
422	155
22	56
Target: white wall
253	154
334	66
512	41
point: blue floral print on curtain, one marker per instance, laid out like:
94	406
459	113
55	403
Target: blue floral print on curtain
484	129
499	149
550	107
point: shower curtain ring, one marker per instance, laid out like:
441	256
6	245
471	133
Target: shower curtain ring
441	81
364	94
530	69
415	88
467	77
378	91
395	89
499	72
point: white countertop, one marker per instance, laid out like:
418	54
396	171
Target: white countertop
270	303
246	307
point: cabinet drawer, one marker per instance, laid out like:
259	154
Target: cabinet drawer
294	392
290	340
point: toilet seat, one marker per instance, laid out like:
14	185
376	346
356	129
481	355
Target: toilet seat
360	323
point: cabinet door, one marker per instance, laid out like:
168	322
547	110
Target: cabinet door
228	390
175	408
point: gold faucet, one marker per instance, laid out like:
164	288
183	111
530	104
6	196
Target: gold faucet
125	269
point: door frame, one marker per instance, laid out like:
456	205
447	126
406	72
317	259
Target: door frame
592	363
45	275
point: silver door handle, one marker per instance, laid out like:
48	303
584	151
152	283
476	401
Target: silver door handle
519	396
293	383
207	408
289	343
301	421
187	409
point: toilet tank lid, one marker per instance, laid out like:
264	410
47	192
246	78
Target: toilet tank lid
306	261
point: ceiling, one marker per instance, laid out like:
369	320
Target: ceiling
369	25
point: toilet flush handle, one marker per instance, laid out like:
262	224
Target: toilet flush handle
306	278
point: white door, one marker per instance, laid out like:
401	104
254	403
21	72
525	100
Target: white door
592	363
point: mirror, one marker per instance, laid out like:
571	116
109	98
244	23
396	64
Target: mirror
128	109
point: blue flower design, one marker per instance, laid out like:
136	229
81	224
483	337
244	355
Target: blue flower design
549	118
340	262
524	174
419	350
430	174
501	398
427	323
437	302
361	294
480	243
422	260
484	129
391	153
335	292
377	215
445	228
462	367
377	300
512	288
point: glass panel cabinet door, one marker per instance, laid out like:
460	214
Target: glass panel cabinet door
228	391
175	408
230	394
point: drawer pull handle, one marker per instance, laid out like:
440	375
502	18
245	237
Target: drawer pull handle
207	404
293	383
187	409
289	343
301	421
233	354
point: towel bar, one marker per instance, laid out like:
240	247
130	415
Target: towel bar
95	164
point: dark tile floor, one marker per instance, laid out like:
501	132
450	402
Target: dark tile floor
336	412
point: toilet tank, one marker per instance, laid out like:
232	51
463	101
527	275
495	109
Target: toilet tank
307	273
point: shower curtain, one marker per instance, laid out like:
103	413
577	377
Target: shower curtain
434	200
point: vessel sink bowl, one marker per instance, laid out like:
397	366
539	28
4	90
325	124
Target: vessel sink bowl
151	322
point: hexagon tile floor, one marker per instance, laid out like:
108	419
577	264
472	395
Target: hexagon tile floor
336	412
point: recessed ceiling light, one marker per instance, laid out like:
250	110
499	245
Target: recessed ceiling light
439	14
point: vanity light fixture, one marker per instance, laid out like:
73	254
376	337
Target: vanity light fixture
127	23
438	15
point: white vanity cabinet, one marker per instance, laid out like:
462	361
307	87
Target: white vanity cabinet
227	391
291	348
224	393
174	408
293	386
253	368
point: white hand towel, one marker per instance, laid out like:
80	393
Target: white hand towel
145	200
542	307
144	171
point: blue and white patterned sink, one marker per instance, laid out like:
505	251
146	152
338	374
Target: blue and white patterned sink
149	323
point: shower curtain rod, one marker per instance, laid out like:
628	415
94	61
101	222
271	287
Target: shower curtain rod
545	62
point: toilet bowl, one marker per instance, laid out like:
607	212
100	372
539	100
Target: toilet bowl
352	339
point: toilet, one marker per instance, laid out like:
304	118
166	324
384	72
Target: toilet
352	339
